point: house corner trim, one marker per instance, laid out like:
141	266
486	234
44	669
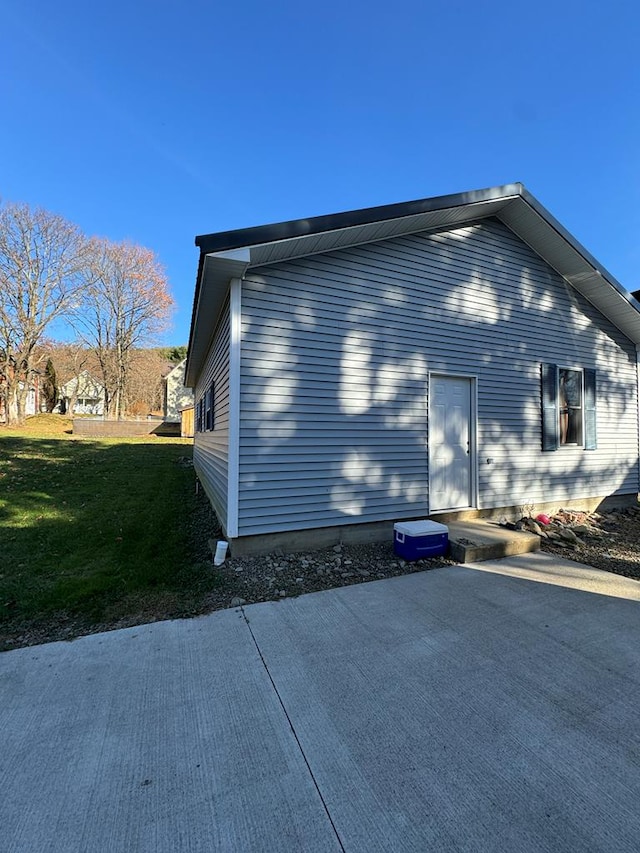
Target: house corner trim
235	305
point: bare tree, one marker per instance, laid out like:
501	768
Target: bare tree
145	382
42	258
126	303
69	360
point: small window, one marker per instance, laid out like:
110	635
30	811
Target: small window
207	410
568	407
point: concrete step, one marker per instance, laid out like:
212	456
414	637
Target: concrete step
477	540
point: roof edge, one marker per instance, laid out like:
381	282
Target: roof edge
218	269
575	244
292	228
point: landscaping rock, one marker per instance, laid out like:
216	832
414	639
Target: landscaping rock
270	576
612	542
568	534
534	527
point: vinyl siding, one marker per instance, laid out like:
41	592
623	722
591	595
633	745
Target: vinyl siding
211	449
177	396
336	354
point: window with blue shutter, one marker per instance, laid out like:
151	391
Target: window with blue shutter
207	403
568	407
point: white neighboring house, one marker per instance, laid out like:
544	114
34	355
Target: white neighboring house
88	392
32	402
176	397
33	399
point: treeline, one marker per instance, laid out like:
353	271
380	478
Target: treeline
113	295
66	363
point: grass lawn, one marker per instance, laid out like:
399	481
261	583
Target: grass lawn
97	533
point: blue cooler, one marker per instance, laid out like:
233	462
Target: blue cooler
418	540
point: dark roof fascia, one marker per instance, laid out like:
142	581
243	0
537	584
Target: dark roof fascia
218	270
258	235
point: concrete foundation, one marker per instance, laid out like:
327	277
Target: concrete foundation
315	539
599	503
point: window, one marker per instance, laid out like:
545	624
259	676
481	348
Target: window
208	409
205	410
568	407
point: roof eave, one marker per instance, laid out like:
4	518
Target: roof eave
540	230
294	228
215	271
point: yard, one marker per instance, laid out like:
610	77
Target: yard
97	533
102	534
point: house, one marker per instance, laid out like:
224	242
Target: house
452	355
82	395
32	403
176	397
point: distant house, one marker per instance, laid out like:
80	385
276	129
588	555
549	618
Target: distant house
82	395
32	403
176	397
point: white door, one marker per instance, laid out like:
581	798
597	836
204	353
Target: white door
451	454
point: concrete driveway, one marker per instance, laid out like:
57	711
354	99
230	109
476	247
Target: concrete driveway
479	708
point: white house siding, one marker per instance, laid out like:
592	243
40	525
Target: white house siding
336	354
211	449
89	394
177	396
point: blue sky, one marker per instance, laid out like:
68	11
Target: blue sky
157	121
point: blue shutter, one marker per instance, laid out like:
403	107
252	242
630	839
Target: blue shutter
207	410
590	437
213	406
549	389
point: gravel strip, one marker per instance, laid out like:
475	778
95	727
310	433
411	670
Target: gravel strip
245	580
